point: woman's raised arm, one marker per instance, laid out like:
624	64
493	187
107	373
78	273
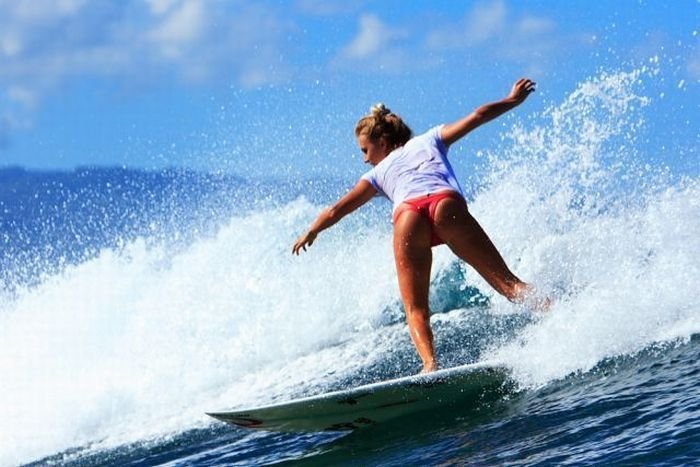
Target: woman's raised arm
487	112
359	195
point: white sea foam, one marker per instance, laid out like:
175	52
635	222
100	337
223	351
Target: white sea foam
138	343
621	242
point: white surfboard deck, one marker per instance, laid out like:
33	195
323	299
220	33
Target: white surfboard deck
372	403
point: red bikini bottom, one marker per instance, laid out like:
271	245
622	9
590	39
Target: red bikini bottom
425	206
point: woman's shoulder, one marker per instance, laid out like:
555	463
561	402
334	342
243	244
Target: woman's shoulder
432	137
432	133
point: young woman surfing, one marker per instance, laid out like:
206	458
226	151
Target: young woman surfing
429	209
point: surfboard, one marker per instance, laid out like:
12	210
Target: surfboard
374	403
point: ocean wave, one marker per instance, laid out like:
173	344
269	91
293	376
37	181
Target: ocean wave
179	294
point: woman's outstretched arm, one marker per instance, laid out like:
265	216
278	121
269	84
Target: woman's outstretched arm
359	195
487	112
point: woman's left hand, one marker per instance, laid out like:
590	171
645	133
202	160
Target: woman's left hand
305	240
521	89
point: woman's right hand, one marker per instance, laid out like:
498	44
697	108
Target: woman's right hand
521	89
302	242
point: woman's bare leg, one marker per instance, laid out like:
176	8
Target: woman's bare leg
465	237
412	234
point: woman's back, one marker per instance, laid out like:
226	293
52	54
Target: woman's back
418	168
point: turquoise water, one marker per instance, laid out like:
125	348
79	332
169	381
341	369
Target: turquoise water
133	302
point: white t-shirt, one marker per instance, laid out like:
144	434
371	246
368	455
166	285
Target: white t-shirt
418	168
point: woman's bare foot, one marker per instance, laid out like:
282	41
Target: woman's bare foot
429	367
527	295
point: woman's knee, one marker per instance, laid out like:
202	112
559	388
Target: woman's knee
417	310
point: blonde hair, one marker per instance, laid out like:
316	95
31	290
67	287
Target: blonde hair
383	123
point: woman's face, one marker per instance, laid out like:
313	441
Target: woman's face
374	150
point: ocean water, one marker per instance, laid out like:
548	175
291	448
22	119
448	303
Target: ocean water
132	302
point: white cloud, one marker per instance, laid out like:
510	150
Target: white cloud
181	27
491	23
45	44
19	16
531	25
66	6
486	21
501	33
23	95
159	7
369	40
379	47
10	44
9	123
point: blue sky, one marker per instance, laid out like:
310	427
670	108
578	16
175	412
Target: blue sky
274	87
